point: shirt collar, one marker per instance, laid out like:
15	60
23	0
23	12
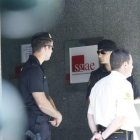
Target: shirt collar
118	74
103	68
34	59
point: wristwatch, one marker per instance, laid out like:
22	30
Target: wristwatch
102	137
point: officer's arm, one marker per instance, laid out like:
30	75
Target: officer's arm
45	105
52	102
115	125
91	123
88	100
135	87
88	90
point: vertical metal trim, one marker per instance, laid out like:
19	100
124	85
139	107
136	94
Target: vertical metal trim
126	135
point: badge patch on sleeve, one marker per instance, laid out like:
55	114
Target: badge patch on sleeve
128	96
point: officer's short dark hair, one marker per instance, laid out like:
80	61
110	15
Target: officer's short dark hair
118	57
40	40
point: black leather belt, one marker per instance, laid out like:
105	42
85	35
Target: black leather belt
102	128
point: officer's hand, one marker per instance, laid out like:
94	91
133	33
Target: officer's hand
58	119
96	137
53	123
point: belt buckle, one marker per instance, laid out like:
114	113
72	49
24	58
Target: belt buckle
118	131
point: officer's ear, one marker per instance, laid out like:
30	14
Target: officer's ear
125	64
46	48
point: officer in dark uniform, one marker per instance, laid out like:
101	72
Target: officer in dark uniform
34	88
105	48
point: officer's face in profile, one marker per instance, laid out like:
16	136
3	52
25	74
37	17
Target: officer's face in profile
49	51
130	67
104	56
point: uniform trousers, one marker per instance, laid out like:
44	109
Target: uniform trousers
44	130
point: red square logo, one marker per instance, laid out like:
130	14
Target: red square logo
17	69
78	63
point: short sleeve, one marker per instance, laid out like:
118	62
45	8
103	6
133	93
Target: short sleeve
125	102
35	80
90	110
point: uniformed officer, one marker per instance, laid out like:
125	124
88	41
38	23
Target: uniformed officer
110	99
105	48
34	88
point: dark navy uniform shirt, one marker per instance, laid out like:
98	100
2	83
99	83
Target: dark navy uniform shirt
32	79
102	72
